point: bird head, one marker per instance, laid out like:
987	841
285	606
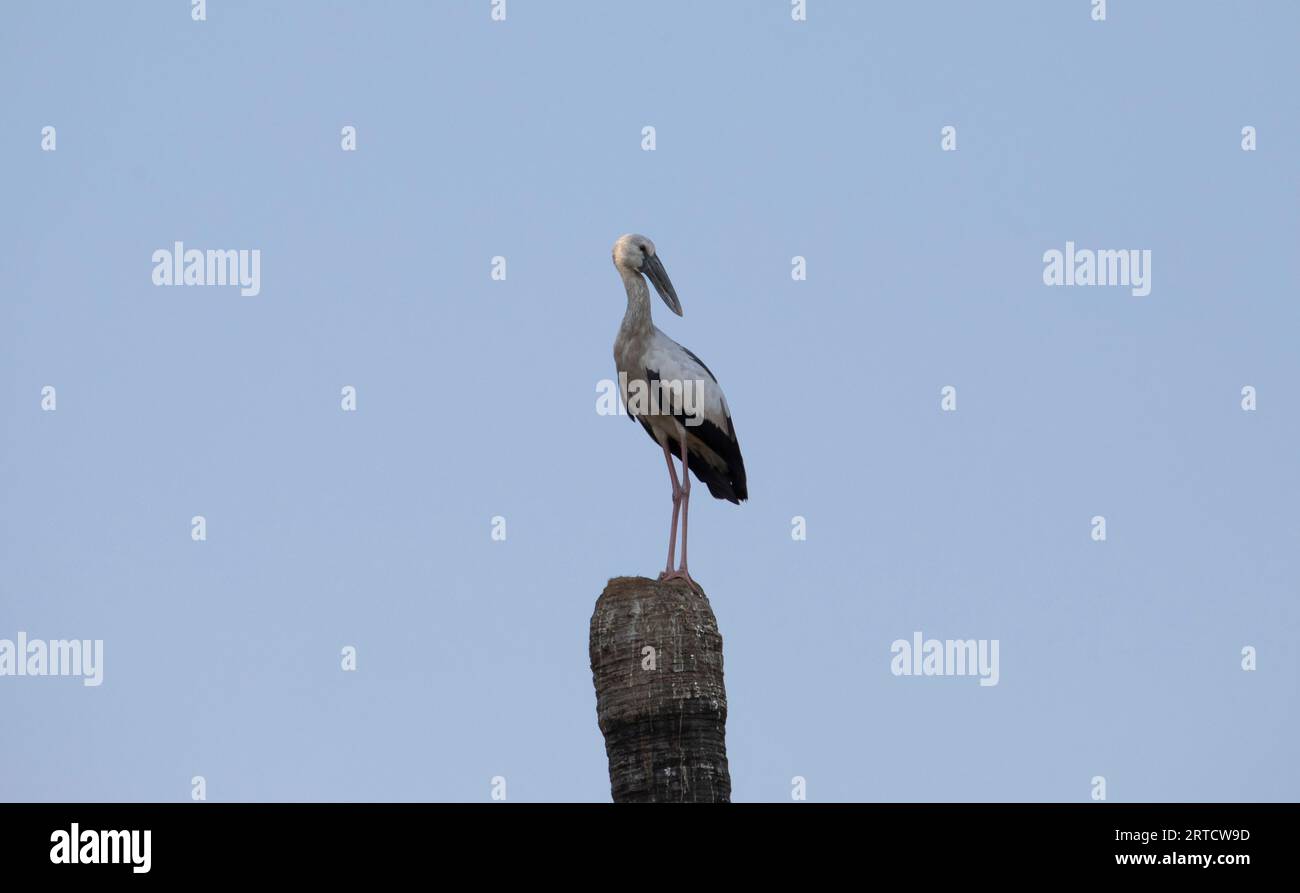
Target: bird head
636	254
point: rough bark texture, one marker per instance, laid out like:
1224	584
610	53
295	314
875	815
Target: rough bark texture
664	728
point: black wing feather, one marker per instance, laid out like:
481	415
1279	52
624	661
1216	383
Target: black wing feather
726	483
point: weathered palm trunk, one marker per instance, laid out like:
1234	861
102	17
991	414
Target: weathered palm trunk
656	661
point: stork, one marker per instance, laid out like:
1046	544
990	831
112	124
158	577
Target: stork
649	362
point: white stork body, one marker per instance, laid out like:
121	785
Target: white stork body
692	421
711	444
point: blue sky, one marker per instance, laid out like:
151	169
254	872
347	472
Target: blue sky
476	398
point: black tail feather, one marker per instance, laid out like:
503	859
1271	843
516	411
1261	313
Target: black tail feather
727	483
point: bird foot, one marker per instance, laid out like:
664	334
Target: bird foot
681	574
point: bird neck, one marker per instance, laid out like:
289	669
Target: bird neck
636	321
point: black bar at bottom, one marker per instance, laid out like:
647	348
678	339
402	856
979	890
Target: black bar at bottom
371	840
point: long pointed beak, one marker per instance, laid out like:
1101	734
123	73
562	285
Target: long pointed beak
654	269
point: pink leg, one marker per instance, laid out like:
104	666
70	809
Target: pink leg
686	507
677	501
682	498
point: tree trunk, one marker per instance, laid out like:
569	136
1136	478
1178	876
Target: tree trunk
656	661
